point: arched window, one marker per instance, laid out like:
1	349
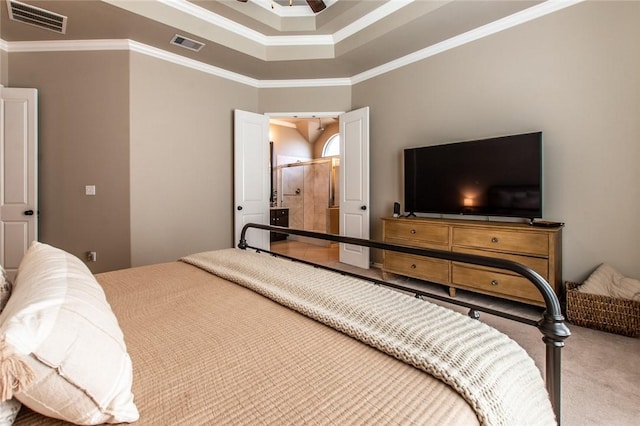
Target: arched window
332	147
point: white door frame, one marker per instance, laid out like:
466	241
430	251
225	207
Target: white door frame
251	176
357	256
354	185
19	174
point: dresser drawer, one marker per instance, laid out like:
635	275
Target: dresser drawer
435	270
416	233
493	282
538	264
533	243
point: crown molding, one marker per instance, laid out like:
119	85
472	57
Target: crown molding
191	63
128	45
157	10
505	23
317	82
206	16
300	40
527	15
297	40
134	46
66	45
369	19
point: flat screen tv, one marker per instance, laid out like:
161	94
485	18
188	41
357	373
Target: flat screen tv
499	176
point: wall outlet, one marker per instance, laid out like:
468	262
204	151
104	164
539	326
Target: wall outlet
92	256
90	190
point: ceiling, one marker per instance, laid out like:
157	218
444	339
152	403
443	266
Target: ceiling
263	40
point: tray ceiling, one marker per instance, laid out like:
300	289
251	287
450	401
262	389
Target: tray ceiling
265	40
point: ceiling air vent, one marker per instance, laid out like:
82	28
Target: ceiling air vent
187	43
32	15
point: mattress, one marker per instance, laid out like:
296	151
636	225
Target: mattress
208	351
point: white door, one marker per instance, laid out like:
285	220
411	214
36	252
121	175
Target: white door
18	171
251	176
354	185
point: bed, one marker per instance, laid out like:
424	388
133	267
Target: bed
238	336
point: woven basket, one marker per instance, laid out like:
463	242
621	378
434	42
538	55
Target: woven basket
620	316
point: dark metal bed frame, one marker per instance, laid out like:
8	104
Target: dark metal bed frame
551	325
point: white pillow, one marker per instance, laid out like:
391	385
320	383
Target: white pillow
61	330
600	281
9	408
5	288
626	288
9	411
607	281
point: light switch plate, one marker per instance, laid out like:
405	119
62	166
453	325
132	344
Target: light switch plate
90	190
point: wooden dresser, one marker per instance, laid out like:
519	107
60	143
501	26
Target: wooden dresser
536	247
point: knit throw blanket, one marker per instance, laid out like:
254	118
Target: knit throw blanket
488	369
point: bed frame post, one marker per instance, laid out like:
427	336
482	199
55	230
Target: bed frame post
555	332
243	242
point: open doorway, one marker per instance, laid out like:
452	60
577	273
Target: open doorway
252	176
305	161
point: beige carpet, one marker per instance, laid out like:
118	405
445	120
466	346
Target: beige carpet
600	371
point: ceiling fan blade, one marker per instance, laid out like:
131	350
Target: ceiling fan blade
316	5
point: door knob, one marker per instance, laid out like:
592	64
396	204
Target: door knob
239	208
363	208
28	213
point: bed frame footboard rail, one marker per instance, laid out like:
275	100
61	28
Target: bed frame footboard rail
551	325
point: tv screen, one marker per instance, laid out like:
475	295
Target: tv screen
499	176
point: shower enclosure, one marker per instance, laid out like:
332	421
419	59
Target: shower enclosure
310	191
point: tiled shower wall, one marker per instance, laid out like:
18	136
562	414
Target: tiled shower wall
306	192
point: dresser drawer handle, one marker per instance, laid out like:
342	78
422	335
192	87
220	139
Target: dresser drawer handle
494	282
413	266
494	240
413	231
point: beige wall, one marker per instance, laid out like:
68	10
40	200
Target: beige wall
181	159
83	107
575	75
305	99
4	72
154	137
288	142
156	140
329	130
